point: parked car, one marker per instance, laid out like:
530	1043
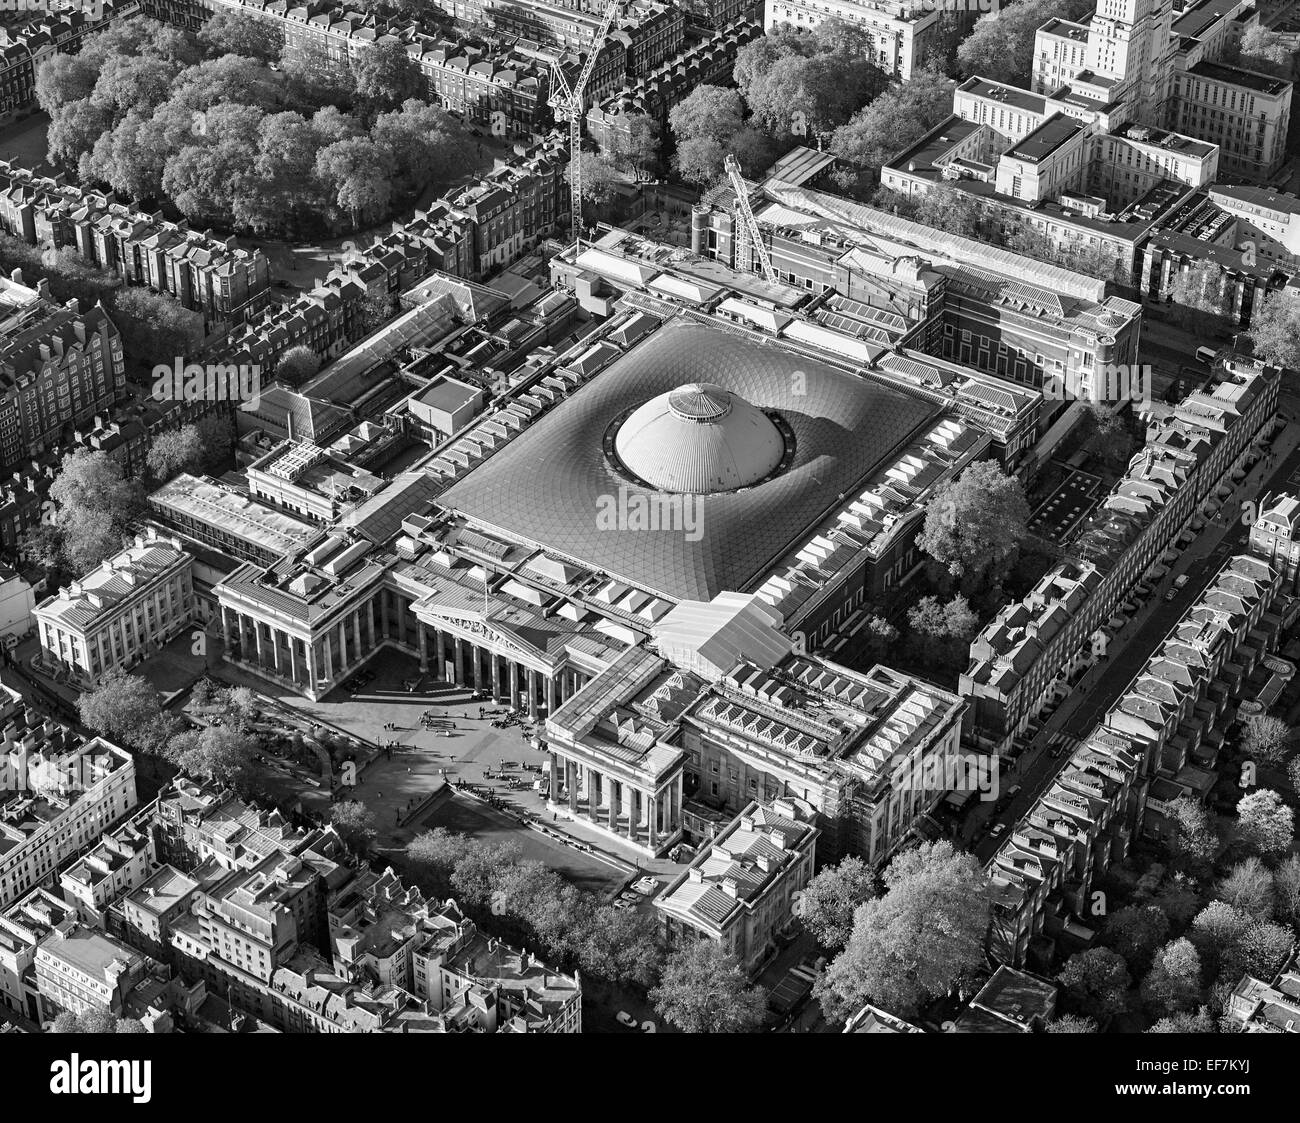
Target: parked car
998	830
625	1019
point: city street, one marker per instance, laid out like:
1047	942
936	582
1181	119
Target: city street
1097	691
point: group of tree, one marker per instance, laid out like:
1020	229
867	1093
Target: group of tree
1266	739
702	990
1000	47
1198	297
1105	436
1274	331
1264	51
297	365
921	939
94	1021
570	925
201	447
830	901
1175	953
232	141
808	83
890	123
708	125
974	525
636	146
940	632
355	823
91	510
126	708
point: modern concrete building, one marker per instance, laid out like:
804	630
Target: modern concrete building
740	890
116	615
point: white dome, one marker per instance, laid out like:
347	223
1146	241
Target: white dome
698	439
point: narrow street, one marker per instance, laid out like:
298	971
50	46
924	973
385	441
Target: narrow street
1098	690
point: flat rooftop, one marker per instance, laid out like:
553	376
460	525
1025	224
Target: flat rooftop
1046	139
189	497
1195	21
1235	76
1011	96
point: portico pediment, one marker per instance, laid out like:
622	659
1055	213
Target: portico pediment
479	629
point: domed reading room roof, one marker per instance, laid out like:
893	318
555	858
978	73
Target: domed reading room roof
699	439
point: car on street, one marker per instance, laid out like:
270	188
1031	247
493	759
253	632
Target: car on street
999	829
1177	586
625	1019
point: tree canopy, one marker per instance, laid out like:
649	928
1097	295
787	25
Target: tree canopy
975	523
831	898
923	937
702	990
1274	330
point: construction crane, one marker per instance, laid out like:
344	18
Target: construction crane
570	101
748	223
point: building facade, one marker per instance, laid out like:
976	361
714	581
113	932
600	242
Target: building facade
740	891
121	612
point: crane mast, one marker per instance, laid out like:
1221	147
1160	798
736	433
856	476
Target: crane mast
748	223
569	101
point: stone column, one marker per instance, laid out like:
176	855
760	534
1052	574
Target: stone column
615	789
458	671
313	674
633	812
327	649
571	782
555	779
385	604
293	658
343	646
652	812
275	649
225	628
532	694
423	644
476	653
370	622
550	695
257	639
496	676
593	794
514	684
440	653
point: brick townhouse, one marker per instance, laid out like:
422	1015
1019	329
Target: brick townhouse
207	274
